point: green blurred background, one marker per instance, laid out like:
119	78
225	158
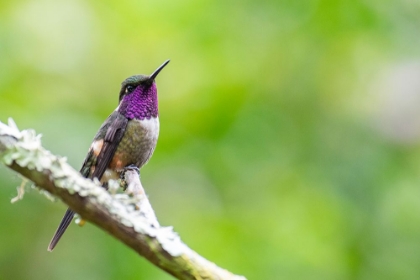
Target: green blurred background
290	132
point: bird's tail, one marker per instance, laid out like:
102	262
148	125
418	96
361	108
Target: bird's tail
65	222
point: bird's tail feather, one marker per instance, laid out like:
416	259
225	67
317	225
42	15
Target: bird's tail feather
65	222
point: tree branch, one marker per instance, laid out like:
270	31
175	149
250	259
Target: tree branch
128	217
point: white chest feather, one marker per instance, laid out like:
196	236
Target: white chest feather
150	127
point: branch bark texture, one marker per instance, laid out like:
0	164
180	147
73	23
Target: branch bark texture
128	217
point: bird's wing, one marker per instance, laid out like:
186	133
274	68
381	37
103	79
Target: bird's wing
111	139
99	157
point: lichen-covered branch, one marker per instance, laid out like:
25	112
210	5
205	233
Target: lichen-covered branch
128	217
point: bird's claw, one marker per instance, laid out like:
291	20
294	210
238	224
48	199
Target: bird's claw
132	167
128	168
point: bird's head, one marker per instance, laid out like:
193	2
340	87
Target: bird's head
138	96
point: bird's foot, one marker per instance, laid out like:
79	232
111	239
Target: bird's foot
128	168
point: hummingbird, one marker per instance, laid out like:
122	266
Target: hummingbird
127	138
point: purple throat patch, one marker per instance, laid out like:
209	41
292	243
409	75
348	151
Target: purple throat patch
140	104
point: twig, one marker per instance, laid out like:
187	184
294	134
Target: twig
127	217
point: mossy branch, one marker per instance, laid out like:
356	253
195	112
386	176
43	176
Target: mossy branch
127	217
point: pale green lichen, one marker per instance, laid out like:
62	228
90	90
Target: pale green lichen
20	191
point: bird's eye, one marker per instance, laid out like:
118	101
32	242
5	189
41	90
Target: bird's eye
129	89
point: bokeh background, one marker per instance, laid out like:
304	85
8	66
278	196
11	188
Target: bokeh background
290	132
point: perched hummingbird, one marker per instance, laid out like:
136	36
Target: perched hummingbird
128	137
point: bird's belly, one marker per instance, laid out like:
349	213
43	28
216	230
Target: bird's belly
137	144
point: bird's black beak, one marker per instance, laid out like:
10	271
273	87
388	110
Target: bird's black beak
154	74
